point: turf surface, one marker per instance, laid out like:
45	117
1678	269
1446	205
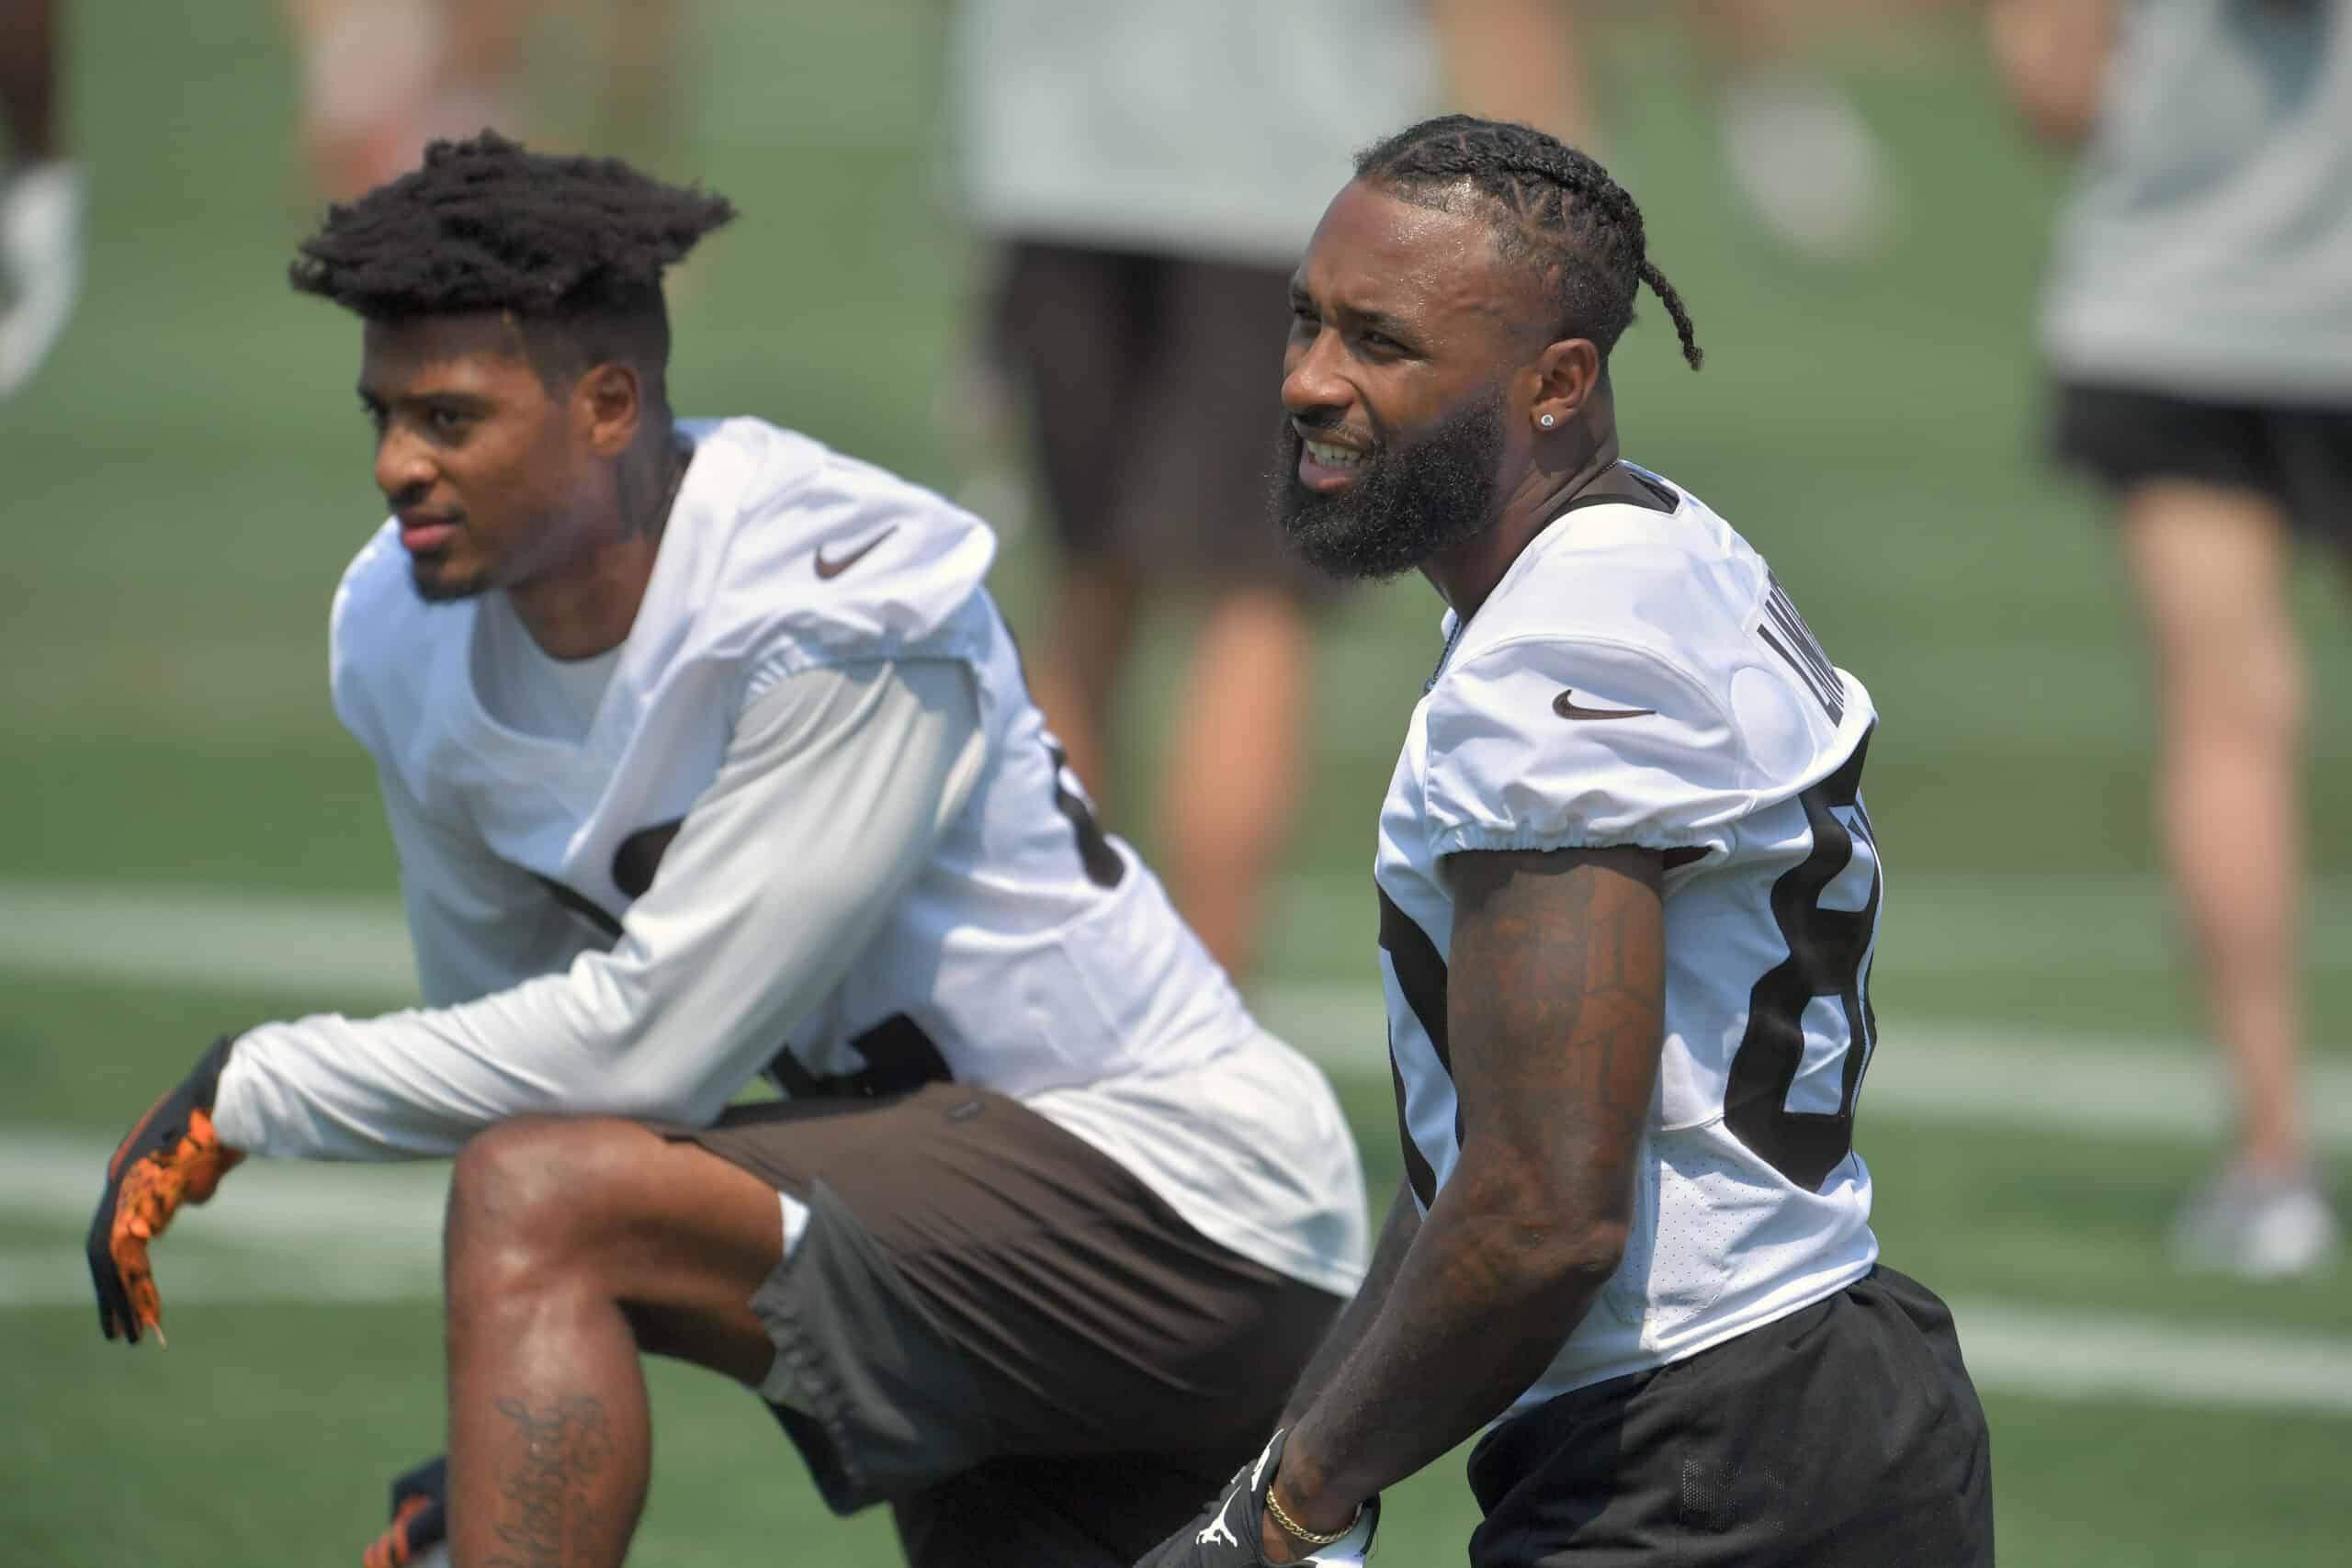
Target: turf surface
187	478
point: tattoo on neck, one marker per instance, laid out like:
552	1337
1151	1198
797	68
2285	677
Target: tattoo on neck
547	1515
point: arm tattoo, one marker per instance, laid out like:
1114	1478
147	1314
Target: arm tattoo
1556	1012
1567	961
546	1515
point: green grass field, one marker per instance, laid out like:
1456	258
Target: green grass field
186	481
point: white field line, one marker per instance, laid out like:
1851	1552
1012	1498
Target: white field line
354	953
325	1233
1947	923
1944	1071
1944	923
2077	1355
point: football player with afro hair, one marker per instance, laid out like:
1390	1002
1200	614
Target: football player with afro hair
707	758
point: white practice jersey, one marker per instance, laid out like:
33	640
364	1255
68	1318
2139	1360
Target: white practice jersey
1638	678
621	922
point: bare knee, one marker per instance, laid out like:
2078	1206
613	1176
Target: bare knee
2247	705
531	1200
560	1216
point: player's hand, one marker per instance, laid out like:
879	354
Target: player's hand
420	1519
1230	1532
172	1156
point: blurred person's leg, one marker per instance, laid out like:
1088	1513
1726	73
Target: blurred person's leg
2208	499
1242	740
28	58
480	83
42	196
1518	60
647	37
368	68
1095	607
2212	568
381	78
1072	325
1239	755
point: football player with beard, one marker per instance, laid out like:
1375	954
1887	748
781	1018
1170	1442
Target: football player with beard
1629	895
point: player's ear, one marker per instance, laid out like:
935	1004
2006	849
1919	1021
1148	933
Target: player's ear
1567	373
610	401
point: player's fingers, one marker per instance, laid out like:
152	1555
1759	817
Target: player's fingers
141	1303
151	1192
105	1278
102	1287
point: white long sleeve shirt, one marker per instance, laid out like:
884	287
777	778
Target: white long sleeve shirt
845	774
811	822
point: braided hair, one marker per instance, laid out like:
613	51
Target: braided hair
572	247
1555	210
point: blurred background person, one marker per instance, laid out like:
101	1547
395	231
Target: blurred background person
381	78
40	194
2198	318
1801	163
1149	174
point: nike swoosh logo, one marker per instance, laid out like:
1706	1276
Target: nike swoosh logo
829	569
1566	706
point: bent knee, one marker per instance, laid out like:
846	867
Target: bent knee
2258	705
537	1191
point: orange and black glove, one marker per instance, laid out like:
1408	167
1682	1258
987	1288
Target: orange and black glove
420	1519
172	1156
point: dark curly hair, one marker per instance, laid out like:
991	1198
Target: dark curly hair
572	247
1554	210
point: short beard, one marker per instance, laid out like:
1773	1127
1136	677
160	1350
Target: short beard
447	591
1405	506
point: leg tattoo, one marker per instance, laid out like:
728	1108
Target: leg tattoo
547	1479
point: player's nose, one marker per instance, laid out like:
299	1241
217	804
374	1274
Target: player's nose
1311	381
403	466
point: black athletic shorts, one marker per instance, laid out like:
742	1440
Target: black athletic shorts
1846	1435
1154	396
2298	454
999	1331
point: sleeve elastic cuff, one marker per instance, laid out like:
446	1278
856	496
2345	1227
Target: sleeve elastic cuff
1473	837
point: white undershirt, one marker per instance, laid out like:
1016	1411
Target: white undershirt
526	689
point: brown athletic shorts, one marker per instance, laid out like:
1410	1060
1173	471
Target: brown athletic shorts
1155	398
1003	1334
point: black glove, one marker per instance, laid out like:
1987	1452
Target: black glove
1227	1534
172	1156
420	1516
